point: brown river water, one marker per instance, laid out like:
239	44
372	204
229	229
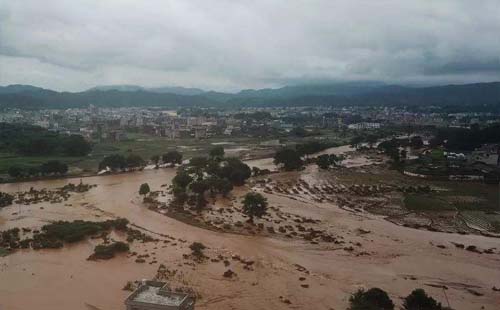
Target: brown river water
400	259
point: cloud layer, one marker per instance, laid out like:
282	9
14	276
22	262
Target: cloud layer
230	44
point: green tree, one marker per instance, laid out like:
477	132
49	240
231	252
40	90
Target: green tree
289	158
323	161
76	145
172	157
199	187
419	300
5	199
235	171
134	161
254	205
114	162
155	159
371	139
16	171
144	189
356	141
182	179
198	163
53	167
217	152
373	299
416	142
224	186
299	132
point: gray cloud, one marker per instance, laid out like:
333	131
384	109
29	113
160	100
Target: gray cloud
230	44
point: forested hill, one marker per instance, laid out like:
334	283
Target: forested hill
352	93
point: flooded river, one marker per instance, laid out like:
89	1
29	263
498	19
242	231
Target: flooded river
64	279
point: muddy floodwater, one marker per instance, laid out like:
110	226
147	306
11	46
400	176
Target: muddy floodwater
307	276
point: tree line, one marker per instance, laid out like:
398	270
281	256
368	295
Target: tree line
378	299
31	140
291	158
51	167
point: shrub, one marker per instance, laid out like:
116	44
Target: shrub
372	299
144	189
103	251
5	199
419	300
197	249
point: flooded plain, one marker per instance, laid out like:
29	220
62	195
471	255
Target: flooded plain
286	273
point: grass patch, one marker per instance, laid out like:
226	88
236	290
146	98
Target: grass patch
3	252
426	203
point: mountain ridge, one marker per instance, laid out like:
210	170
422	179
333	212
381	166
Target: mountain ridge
32	97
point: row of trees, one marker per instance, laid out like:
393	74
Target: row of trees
52	167
120	162
171	157
378	299
36	141
291	158
464	139
214	175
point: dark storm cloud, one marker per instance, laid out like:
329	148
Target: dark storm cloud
229	44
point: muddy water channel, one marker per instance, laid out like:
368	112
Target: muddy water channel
319	276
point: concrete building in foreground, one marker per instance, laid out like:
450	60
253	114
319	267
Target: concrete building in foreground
153	295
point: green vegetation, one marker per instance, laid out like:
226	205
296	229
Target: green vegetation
378	299
217	175
3	252
372	299
197	250
172	157
420	202
104	251
216	152
144	189
5	199
119	162
289	158
418	300
78	230
325	161
464	139
496	226
51	167
35	141
254	205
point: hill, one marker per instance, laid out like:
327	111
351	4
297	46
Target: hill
352	93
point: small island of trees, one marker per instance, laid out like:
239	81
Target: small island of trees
208	175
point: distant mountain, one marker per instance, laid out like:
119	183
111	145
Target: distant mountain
346	89
177	90
341	94
116	87
161	90
19	88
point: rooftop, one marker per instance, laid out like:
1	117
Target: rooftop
159	296
157	293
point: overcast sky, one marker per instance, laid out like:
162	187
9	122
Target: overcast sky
229	45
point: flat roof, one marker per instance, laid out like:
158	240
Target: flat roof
153	295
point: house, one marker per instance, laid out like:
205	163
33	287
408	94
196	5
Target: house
154	295
487	154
